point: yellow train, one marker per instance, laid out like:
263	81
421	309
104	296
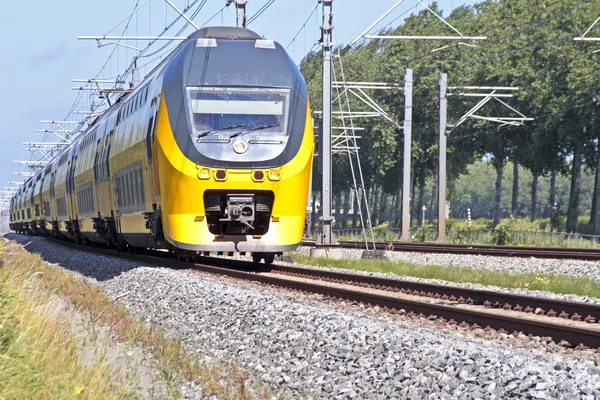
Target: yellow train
211	152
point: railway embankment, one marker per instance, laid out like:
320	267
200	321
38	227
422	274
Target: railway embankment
308	345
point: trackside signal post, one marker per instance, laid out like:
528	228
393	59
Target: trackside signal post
327	245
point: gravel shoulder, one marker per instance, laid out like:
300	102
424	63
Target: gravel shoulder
321	351
356	254
577	268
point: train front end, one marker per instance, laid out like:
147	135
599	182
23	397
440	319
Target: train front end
235	146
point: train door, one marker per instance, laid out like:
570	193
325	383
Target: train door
152	177
71	200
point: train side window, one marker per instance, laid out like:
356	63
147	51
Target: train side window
125	191
134	187
138	186
118	190
131	192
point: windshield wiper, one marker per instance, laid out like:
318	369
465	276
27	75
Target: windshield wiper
258	128
227	128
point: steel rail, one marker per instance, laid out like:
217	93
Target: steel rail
495	251
486	298
511	321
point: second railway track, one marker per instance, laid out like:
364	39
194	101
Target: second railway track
497	251
566	322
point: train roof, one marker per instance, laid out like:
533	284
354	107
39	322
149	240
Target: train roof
225	32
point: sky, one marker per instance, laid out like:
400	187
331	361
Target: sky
40	53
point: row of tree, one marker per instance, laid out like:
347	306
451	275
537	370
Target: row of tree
530	45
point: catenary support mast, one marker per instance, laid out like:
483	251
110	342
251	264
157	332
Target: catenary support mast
442	159
326	41
240	9
408	106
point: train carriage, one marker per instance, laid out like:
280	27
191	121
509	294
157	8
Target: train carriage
212	152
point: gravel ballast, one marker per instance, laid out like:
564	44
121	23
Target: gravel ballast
466	285
308	348
577	268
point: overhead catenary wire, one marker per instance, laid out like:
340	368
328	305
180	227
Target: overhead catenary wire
303	26
260	12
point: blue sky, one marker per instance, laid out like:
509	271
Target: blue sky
41	55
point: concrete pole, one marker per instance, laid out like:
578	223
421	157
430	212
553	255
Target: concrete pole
326	41
240	9
442	159
240	6
408	106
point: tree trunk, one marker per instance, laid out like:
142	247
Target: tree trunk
534	195
399	209
594	193
347	196
434	196
366	212
596	202
384	205
421	199
515	189
393	207
381	207
573	211
355	209
498	195
338	206
373	205
552	190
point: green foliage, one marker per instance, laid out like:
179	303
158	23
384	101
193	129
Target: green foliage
530	46
383	233
505	229
419	236
7	333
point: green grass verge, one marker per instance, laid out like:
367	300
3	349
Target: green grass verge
38	350
19	366
560	284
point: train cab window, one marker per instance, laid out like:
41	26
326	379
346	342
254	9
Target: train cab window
238	109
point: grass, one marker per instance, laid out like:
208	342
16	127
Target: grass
560	284
223	379
38	351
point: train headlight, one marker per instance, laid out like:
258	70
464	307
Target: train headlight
204	174
274	175
240	147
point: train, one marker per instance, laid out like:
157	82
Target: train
211	152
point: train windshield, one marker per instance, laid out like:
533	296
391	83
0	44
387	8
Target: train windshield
232	111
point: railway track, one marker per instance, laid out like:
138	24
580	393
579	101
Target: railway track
566	323
497	251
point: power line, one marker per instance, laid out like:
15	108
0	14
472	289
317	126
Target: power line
303	26
264	8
